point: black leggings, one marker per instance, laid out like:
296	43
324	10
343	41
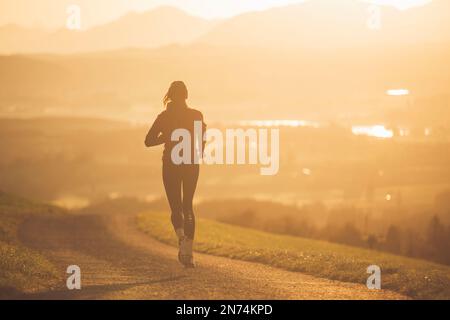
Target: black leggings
176	177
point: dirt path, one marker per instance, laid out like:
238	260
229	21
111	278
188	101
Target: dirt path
118	261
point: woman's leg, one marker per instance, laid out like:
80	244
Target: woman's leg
190	178
172	184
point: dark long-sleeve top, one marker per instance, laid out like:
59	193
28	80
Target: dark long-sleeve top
175	117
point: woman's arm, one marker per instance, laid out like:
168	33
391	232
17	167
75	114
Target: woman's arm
154	136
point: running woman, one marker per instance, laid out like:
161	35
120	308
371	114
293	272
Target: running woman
180	180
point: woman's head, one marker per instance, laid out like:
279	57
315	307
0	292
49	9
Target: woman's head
177	93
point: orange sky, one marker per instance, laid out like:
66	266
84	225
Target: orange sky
52	13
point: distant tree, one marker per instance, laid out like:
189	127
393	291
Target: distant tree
435	232
446	247
411	243
348	234
372	241
438	240
393	241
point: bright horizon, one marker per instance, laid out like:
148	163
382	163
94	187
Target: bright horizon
52	13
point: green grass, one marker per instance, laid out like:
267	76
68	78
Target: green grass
21	269
415	278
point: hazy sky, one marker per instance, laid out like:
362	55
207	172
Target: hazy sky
52	13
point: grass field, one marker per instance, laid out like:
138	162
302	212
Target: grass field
21	269
414	278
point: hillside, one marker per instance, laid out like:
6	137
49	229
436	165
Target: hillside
21	269
32	235
414	278
119	261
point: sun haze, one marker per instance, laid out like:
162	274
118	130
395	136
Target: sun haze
52	13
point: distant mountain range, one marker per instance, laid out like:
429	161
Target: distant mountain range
159	27
317	59
316	23
334	24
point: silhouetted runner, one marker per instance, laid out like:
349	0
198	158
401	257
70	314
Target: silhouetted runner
180	180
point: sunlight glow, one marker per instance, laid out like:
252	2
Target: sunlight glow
378	131
401	4
279	123
397	92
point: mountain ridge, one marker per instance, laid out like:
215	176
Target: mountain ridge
331	24
165	25
314	23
